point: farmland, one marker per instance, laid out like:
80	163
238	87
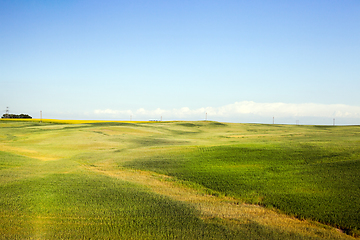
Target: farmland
178	180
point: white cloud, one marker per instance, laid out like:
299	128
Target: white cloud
291	110
112	112
241	109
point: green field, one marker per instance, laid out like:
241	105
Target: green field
178	180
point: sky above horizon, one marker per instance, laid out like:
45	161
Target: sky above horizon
231	61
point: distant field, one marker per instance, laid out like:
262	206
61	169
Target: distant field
168	180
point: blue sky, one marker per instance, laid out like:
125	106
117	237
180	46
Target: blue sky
240	61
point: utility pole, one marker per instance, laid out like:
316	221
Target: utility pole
7	112
205	116
40	116
333	121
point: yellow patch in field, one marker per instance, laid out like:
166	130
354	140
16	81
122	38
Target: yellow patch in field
265	135
5	125
25	152
71	121
250	135
18	120
81	121
124	130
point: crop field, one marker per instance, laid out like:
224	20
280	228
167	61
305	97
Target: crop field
178	180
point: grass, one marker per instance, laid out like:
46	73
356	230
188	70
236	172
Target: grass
177	180
63	206
307	183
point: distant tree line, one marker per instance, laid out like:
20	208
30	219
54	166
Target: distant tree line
7	115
